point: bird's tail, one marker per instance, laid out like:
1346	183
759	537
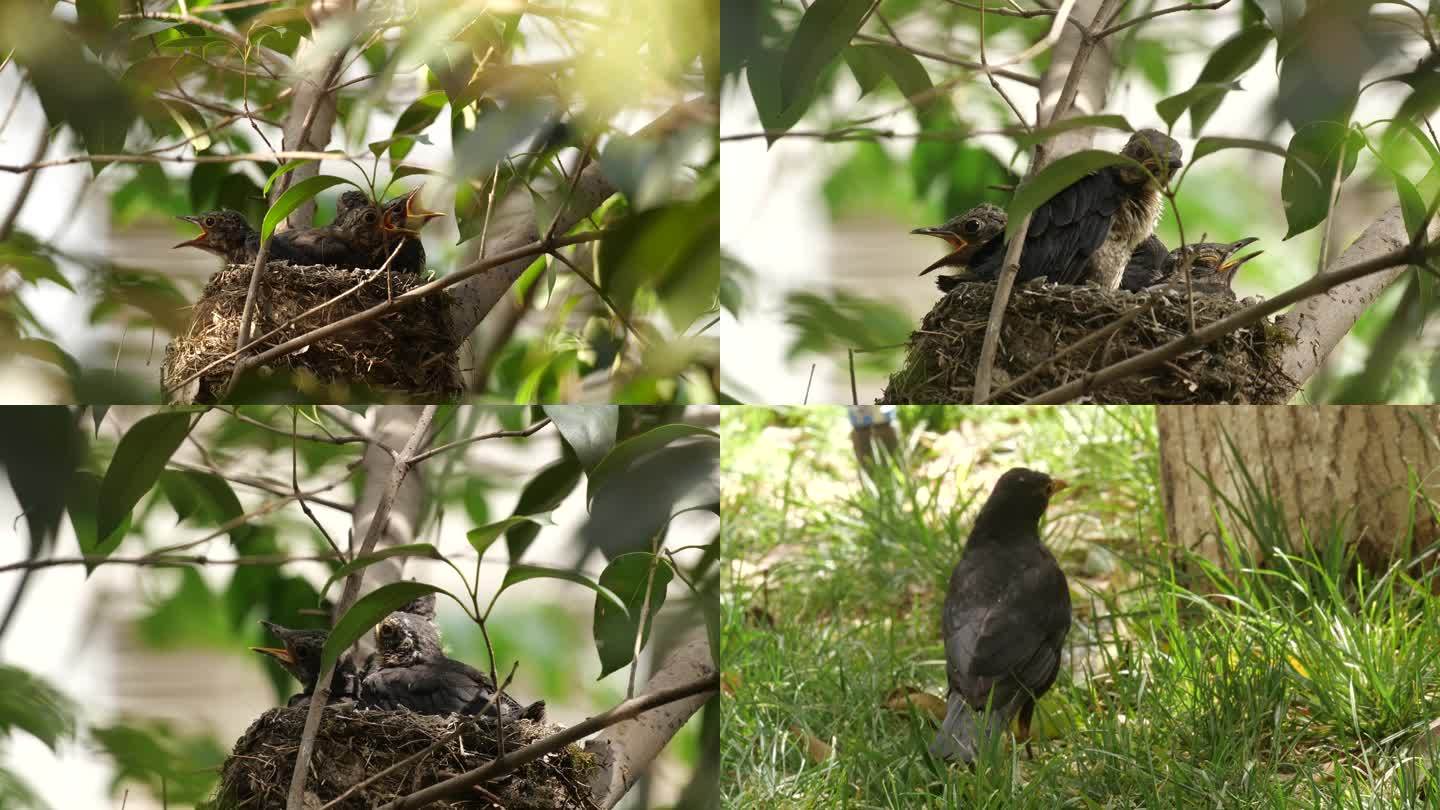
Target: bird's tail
965	730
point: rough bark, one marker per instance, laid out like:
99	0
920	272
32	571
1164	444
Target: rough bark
1320	322
1356	463
625	750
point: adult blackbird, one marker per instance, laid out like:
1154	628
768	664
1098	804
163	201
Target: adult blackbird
973	236
1087	232
300	656
1005	618
1212	270
413	673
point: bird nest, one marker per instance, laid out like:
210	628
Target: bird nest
409	350
354	745
1042	320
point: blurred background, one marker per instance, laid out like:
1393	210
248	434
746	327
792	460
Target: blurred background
489	104
815	230
150	666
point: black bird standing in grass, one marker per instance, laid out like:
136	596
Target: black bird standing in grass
1088	231
413	673
300	656
1005	618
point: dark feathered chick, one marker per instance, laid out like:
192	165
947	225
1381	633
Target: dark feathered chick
1005	618
1212	269
414	673
300	656
972	237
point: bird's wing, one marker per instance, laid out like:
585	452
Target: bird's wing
1068	228
1017	634
1146	266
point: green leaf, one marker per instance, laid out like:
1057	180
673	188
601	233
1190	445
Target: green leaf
522	572
618	460
660	249
1170	109
482	538
877	62
588	429
29	704
1412	206
1211	144
496	134
615	631
425	550
421	113
1229	62
285	168
824	31
368	611
296	196
47	351
138	461
1055	178
544	493
1314	155
82	500
199	493
1035	136
776	116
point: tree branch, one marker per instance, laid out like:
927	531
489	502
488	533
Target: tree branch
474	299
1321	321
351	592
1317	285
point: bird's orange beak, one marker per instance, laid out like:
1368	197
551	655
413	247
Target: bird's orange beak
201	241
957	244
276	652
415	215
1056	484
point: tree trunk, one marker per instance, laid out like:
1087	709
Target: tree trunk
1359	464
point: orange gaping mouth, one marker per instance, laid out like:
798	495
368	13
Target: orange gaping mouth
276	652
201	241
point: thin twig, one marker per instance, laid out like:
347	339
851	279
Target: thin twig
1090	339
128	158
295	479
626	710
413	295
8	226
499	434
950	60
167	560
1114	29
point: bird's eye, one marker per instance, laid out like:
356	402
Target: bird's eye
209	222
971	227
369	217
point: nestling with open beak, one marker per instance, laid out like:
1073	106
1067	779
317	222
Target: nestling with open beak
973	236
403	218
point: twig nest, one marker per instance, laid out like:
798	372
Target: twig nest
409	351
1042	320
353	745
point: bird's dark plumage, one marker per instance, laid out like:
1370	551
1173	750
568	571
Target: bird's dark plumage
403	219
1088	231
413	673
300	656
1005	618
1146	265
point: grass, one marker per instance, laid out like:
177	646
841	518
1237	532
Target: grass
1302	682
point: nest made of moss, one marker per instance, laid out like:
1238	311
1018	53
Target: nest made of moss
1042	320
409	350
355	744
